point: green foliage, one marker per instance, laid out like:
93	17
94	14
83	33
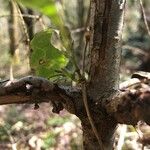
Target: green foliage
45	58
46	7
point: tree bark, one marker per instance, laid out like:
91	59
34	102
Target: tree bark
35	90
106	27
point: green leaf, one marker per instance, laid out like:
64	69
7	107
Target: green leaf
45	58
46	7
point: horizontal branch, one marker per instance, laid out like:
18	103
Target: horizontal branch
132	103
37	90
23	15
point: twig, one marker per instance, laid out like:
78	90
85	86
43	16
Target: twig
83	56
23	15
37	17
144	17
82	29
21	39
84	95
73	59
11	71
23	24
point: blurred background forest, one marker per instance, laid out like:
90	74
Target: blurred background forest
22	127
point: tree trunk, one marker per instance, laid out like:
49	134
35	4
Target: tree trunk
106	28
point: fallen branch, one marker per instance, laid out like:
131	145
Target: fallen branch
37	90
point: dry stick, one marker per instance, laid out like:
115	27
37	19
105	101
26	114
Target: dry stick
83	59
73	59
144	17
23	24
30	16
13	36
11	72
23	15
37	17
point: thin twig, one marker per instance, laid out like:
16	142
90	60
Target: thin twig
144	17
23	24
82	29
37	17
23	15
83	58
21	39
84	95
11	71
73	59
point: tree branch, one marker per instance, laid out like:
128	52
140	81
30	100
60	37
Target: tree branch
37	90
132	103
